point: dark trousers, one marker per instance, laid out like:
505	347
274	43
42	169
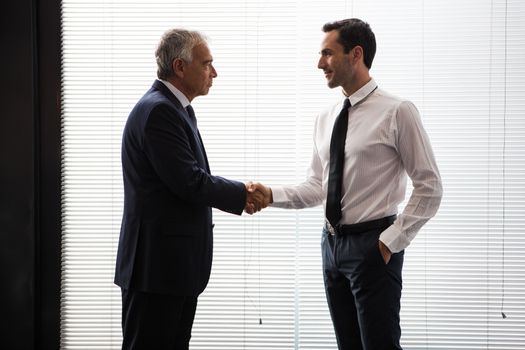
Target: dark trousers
156	321
363	293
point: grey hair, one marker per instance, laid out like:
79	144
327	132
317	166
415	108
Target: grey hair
176	43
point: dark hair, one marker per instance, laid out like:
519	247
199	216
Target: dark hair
354	32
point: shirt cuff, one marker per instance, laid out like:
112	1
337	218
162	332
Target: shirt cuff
394	239
278	196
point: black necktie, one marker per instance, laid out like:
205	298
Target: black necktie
337	157
191	114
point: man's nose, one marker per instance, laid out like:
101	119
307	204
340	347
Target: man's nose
321	63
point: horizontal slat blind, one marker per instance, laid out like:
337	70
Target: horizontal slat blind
461	62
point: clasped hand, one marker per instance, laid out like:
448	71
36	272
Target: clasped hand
258	197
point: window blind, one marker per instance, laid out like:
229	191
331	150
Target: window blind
461	62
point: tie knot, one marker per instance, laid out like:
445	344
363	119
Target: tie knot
347	103
190	111
191	114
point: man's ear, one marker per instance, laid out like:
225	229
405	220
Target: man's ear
357	54
178	65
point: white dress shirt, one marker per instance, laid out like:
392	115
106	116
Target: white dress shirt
178	94
385	142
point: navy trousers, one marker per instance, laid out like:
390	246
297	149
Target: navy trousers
156	321
363	292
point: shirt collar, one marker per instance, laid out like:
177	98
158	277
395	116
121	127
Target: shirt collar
178	94
363	92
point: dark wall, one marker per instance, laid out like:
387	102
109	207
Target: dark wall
30	174
17	188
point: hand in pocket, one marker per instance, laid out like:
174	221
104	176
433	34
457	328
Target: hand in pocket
385	252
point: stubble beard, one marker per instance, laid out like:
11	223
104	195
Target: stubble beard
333	83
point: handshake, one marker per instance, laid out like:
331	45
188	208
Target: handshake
258	197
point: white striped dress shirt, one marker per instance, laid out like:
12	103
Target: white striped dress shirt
385	142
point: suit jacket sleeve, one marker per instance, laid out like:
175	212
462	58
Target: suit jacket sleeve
166	144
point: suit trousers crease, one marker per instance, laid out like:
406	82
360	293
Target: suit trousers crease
363	292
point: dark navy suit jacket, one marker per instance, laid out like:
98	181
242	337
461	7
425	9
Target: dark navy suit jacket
166	237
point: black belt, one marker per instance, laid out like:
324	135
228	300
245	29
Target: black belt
359	227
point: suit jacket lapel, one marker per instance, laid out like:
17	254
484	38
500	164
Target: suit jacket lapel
204	152
169	95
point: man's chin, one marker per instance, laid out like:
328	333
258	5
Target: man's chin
331	84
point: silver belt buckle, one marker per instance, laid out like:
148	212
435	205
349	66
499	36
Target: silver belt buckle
329	227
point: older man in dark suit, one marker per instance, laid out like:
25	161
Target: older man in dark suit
165	247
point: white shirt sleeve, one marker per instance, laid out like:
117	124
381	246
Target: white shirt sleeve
418	159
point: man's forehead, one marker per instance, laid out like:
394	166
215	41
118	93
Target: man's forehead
202	50
330	41
202	47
